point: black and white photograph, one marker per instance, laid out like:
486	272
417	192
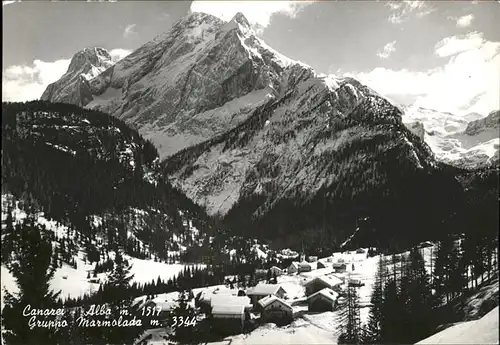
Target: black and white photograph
250	172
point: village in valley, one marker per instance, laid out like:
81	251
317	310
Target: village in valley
301	289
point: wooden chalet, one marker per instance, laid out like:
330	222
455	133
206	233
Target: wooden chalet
228	319
322	282
274	309
260	291
304	267
339	267
293	268
322	300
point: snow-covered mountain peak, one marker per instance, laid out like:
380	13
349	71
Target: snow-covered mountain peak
194	18
241	23
89	58
202	78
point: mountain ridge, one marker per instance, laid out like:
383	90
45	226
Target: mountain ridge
92	172
263	142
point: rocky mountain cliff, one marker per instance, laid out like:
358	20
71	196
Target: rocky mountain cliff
274	149
73	87
200	79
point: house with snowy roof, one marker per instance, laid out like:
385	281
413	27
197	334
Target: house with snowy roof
321	264
319	283
204	301
276	271
322	300
274	309
228	319
293	268
231	300
305	267
356	282
339	267
260	291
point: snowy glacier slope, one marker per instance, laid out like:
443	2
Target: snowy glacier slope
468	140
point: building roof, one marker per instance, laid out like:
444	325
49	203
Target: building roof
338	265
304	264
228	310
294	264
230	300
264	289
330	281
327	293
276	268
266	301
207	294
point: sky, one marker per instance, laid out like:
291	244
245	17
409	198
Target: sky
442	55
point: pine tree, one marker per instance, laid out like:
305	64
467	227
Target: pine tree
31	268
373	335
352	332
420	302
442	268
390	321
8	237
119	298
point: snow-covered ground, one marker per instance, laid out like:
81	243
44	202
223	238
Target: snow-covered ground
299	332
73	282
482	331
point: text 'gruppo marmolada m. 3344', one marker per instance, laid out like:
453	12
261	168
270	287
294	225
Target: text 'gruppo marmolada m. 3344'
181	180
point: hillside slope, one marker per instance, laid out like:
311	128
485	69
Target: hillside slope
93	173
328	157
482	331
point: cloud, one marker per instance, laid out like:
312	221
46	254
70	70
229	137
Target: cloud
467	82
129	31
118	54
25	83
464	21
401	11
388	49
258	13
28	82
456	44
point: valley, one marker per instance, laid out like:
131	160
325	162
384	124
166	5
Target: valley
208	178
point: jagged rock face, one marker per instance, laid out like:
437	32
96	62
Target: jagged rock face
325	141
74	86
283	147
417	128
492	121
466	141
271	146
201	78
